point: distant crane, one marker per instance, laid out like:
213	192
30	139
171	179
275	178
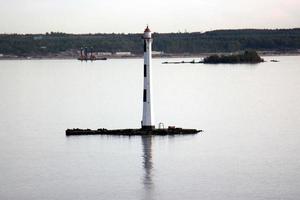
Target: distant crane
88	54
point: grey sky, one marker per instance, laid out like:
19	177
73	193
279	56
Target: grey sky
92	16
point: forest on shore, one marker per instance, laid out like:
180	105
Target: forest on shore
282	40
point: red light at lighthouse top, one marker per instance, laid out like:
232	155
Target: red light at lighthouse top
147	33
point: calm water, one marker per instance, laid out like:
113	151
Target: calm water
249	150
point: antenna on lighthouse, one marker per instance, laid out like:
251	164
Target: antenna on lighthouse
148	117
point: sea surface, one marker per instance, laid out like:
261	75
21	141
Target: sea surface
249	150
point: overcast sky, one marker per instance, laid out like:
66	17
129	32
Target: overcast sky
123	16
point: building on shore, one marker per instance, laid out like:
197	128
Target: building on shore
103	53
123	53
157	53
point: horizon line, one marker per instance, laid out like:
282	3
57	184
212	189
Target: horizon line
129	33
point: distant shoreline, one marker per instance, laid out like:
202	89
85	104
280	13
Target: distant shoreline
57	45
184	55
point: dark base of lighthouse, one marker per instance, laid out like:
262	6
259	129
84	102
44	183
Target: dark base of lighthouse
148	127
132	132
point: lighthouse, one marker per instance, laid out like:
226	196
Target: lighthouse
148	124
148	117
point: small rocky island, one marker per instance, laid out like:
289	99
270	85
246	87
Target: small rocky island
133	132
246	57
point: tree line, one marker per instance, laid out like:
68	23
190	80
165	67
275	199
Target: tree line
196	42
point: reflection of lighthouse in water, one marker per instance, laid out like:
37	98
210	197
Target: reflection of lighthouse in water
147	162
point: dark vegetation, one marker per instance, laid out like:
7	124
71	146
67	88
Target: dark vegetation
246	57
207	42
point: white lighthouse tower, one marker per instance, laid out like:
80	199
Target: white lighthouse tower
148	118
